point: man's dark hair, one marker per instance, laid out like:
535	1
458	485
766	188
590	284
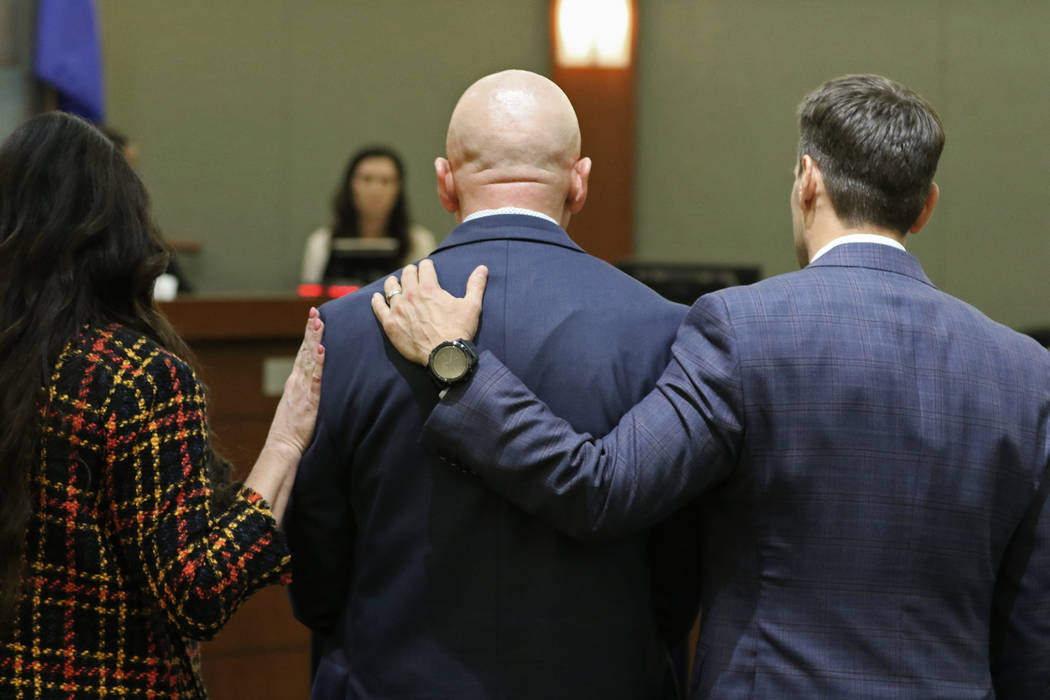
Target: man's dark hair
876	143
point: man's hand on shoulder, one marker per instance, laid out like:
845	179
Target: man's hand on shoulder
418	315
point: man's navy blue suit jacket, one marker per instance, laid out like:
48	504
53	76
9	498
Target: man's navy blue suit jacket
870	456
417	580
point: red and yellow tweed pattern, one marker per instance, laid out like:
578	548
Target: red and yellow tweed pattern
126	563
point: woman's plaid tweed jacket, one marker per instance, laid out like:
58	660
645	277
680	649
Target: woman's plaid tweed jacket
127	564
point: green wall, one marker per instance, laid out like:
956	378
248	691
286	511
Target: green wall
719	81
247	109
16	84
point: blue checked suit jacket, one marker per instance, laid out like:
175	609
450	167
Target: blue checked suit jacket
416	579
869	459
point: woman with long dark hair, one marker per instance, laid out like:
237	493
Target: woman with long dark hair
122	540
370	202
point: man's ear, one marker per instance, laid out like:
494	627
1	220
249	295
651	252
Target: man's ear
446	185
810	183
581	173
927	211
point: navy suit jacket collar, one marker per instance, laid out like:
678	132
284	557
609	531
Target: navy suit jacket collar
875	257
502	227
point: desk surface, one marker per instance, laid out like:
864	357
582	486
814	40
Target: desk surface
234	317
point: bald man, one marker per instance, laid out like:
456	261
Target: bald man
415	579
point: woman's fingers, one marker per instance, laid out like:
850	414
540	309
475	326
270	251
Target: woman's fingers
297	410
310	355
319	366
310	359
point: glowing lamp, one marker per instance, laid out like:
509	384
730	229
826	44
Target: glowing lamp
593	33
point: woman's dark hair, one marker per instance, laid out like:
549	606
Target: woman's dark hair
116	137
77	248
876	143
344	223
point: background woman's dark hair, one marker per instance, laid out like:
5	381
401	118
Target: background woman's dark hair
344	223
77	247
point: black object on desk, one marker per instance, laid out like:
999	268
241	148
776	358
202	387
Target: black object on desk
685	282
358	261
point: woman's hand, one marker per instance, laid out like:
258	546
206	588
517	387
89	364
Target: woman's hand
293	422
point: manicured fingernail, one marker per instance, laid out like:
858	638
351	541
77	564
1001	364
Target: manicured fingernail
317	323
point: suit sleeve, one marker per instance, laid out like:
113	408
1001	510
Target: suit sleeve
320	527
1020	639
678	441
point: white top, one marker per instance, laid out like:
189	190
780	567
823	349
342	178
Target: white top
508	210
858	238
319	245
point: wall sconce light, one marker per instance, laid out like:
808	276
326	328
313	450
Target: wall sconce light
593	33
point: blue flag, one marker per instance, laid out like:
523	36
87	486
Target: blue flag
69	55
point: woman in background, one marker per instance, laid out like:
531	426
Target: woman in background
122	539
370	202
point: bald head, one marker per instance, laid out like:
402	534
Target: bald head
513	140
513	119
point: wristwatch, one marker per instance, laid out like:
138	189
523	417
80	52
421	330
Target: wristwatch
452	362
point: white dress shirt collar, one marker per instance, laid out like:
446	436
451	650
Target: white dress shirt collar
507	210
857	238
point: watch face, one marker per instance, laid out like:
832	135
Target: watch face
450	363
